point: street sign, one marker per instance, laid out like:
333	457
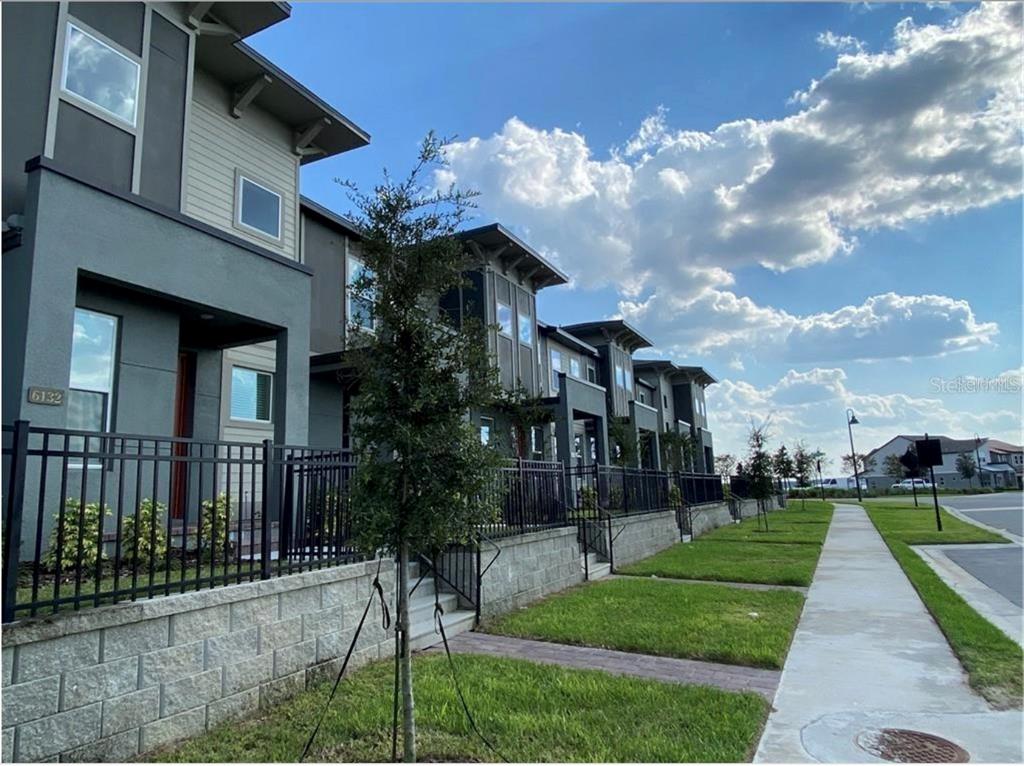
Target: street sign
929	452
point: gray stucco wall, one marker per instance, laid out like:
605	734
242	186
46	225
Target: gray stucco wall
108	683
325	412
128	244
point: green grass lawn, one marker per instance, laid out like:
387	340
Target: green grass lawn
737	552
696	621
992	660
792	525
916	526
530	712
775	564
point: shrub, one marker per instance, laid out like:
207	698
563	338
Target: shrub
588	499
88	524
675	497
152	543
615	498
219	509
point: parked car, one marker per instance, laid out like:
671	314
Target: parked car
909	484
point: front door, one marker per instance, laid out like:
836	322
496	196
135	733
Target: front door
184	406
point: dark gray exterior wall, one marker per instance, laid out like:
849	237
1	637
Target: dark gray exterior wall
326	401
119	241
324	251
29	31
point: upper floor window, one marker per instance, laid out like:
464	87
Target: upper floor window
100	75
591	373
258	208
628	379
360	303
250	394
643	397
91	387
505	319
574	367
525	329
664	401
620	377
486	426
556	367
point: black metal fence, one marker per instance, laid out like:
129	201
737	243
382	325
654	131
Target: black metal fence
99	518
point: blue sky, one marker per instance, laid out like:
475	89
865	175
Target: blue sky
881	249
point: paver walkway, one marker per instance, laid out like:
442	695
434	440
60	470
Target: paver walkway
867	654
729	677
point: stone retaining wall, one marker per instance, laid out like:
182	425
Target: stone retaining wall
530	567
108	683
637	537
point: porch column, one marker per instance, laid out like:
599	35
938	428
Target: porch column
601	432
656	450
291	386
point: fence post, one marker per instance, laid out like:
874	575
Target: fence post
12	516
270	498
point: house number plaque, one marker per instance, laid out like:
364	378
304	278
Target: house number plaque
54	397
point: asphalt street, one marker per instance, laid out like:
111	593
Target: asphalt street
1001	569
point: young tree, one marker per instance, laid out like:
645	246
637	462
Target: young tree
858	463
523	412
759	462
624	445
782	464
893	467
422	468
967	468
803	465
725	463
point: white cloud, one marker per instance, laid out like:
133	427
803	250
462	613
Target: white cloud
929	127
882	327
811	405
841	43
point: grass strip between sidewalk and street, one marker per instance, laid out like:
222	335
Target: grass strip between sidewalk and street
786	554
993	661
530	712
709	622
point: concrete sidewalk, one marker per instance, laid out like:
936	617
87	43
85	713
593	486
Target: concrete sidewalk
867	654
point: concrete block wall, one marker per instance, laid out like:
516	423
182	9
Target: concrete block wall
637	537
108	683
530	567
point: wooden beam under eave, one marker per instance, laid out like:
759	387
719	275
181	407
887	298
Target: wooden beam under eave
305	137
245	95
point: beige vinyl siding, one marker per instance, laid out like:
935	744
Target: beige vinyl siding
256	145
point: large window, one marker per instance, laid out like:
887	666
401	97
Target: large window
100	75
505	319
93	356
574	367
525	329
556	367
627	380
259	208
620	378
486	427
360	303
250	394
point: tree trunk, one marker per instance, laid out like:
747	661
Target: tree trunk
405	658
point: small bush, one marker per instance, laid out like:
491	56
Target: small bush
218	509
151	548
588	499
88	524
675	497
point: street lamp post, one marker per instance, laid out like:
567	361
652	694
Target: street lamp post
977	457
851	421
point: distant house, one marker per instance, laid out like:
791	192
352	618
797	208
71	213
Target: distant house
1000	464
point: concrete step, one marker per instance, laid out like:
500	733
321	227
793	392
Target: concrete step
595	567
424	633
421	606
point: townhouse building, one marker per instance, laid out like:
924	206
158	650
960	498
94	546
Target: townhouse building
677	393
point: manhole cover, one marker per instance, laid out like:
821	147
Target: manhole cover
908	746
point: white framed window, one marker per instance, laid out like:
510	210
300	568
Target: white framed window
98	74
93	360
486	427
251	392
505	319
627	375
591	373
620	378
537	442
258	208
556	367
574	367
358	303
525	329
